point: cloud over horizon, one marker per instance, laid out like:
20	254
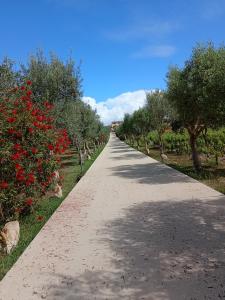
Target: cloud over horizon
142	30
113	109
161	51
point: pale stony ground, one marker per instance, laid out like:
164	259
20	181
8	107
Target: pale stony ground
132	228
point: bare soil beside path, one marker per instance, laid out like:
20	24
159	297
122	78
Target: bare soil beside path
131	229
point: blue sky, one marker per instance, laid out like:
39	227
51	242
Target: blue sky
124	45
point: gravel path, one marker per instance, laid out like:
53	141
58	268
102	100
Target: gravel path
132	228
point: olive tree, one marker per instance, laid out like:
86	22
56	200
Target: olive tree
160	113
141	124
8	76
197	92
124	131
52	79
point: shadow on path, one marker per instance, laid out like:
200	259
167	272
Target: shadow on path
128	156
150	173
161	251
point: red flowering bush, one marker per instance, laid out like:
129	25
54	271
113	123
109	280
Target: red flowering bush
29	151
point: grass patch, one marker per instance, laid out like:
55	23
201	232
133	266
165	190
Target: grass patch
211	174
29	225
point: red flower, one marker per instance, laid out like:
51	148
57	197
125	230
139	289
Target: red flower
34	150
40	218
29	106
30	130
39	118
18	166
4	185
29	93
50	147
25	153
11	131
17	146
30	179
22	88
19	134
36	124
29	82
24	98
20	174
29	202
11	120
34	112
16	156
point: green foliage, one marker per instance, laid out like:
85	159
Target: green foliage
213	143
53	80
153	137
82	123
176	142
160	112
8	77
197	92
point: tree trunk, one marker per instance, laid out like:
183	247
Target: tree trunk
94	147
77	145
195	155
217	159
146	148
88	149
84	148
138	145
161	143
1	213
81	160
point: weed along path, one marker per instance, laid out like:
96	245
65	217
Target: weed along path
132	228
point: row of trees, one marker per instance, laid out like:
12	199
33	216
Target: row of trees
41	115
194	100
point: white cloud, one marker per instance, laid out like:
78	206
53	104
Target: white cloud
113	109
155	51
143	30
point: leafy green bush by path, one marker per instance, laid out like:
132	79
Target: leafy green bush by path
176	142
30	144
214	143
210	143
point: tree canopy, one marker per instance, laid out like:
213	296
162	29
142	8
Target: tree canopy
197	91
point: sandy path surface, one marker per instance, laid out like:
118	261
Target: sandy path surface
132	228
